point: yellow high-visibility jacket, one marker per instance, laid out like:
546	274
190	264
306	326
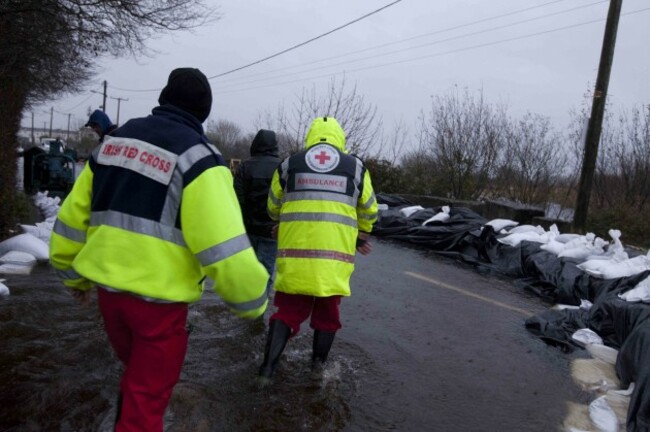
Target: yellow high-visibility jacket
322	198
153	213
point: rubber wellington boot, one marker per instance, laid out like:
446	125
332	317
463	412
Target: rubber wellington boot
322	343
279	333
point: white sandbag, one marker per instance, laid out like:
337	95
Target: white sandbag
441	216
516	238
603	353
616	244
614	270
17	258
42	230
4	290
553	246
26	243
603	416
587	336
15	269
567	237
640	293
382	207
581	252
525	229
408	211
500	224
584	304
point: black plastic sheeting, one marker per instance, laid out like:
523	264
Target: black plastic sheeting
622	325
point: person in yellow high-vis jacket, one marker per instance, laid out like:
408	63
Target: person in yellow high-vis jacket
324	202
152	214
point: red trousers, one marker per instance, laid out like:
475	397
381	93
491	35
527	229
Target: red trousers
293	309
151	340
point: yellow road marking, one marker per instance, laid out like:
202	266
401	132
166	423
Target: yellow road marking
469	294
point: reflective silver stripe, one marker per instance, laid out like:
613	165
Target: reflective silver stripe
193	155
68	274
320	196
357	179
370	201
319	217
249	305
172	204
174	192
316	253
68	232
284	166
273	198
367	216
138	225
223	250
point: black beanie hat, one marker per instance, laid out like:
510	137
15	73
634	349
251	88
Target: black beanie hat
188	89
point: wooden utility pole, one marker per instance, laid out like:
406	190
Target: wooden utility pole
104	100
117	121
51	117
33	138
594	128
67	134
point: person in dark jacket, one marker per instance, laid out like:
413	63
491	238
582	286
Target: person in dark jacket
151	216
252	182
101	124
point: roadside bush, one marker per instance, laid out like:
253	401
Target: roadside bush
633	224
16	210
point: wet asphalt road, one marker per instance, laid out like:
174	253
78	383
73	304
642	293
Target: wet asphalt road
451	347
427	345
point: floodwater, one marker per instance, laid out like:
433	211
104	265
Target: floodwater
426	345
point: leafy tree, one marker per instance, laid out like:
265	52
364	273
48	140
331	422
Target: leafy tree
49	47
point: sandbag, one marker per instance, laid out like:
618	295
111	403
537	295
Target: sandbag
26	243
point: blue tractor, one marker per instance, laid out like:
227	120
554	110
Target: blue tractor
50	169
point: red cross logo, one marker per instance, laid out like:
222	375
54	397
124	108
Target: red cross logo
322	157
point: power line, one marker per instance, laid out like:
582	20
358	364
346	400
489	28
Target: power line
307	41
439	41
444	30
498	42
287	49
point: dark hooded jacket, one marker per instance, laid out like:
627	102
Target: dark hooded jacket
99	118
252	182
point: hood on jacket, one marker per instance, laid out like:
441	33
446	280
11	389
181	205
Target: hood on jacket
264	143
99	118
325	130
189	90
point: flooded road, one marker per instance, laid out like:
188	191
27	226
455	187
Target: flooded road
426	345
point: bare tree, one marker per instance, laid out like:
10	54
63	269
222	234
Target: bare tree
357	117
623	170
392	147
531	160
228	138
463	134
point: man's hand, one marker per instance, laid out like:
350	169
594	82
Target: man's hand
274	231
83	297
364	247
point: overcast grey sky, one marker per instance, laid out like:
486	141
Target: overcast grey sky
534	55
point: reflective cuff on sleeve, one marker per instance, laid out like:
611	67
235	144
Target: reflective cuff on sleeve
68	232
250	305
223	250
68	275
